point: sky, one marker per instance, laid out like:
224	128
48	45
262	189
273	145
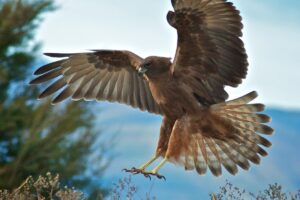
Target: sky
272	39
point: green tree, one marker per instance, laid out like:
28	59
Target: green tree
36	137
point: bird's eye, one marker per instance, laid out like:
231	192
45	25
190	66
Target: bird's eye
147	64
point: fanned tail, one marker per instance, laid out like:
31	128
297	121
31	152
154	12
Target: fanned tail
227	134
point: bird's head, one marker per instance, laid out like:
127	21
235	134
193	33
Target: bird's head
154	67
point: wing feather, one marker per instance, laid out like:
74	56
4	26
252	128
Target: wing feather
57	85
99	75
210	53
104	82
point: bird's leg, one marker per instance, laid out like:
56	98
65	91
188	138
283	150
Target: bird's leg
149	162
142	168
155	170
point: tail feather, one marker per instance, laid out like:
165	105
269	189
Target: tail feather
255	138
243	99
213	158
251	126
245	151
252	118
234	155
247	143
228	135
246	109
247	123
226	159
200	159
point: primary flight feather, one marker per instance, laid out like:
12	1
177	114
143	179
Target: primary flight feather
200	129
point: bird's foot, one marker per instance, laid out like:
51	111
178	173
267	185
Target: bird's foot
148	174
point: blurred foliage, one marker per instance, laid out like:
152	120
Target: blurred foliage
272	192
125	189
18	21
36	137
44	187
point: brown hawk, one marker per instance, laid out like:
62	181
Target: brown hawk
200	129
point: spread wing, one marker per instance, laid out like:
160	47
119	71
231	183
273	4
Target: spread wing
99	75
210	53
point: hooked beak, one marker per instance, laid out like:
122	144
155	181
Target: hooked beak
142	71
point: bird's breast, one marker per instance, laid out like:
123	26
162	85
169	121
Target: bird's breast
173	99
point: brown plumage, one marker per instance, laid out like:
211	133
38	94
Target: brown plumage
200	129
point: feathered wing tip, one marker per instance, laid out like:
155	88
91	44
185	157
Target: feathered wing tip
228	134
59	55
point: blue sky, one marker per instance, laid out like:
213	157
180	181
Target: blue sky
272	38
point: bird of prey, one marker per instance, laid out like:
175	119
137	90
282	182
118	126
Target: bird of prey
200	130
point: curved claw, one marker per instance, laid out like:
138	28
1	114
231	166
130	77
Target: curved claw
133	170
160	176
157	175
147	176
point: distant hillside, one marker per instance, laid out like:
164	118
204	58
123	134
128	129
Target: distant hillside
287	119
